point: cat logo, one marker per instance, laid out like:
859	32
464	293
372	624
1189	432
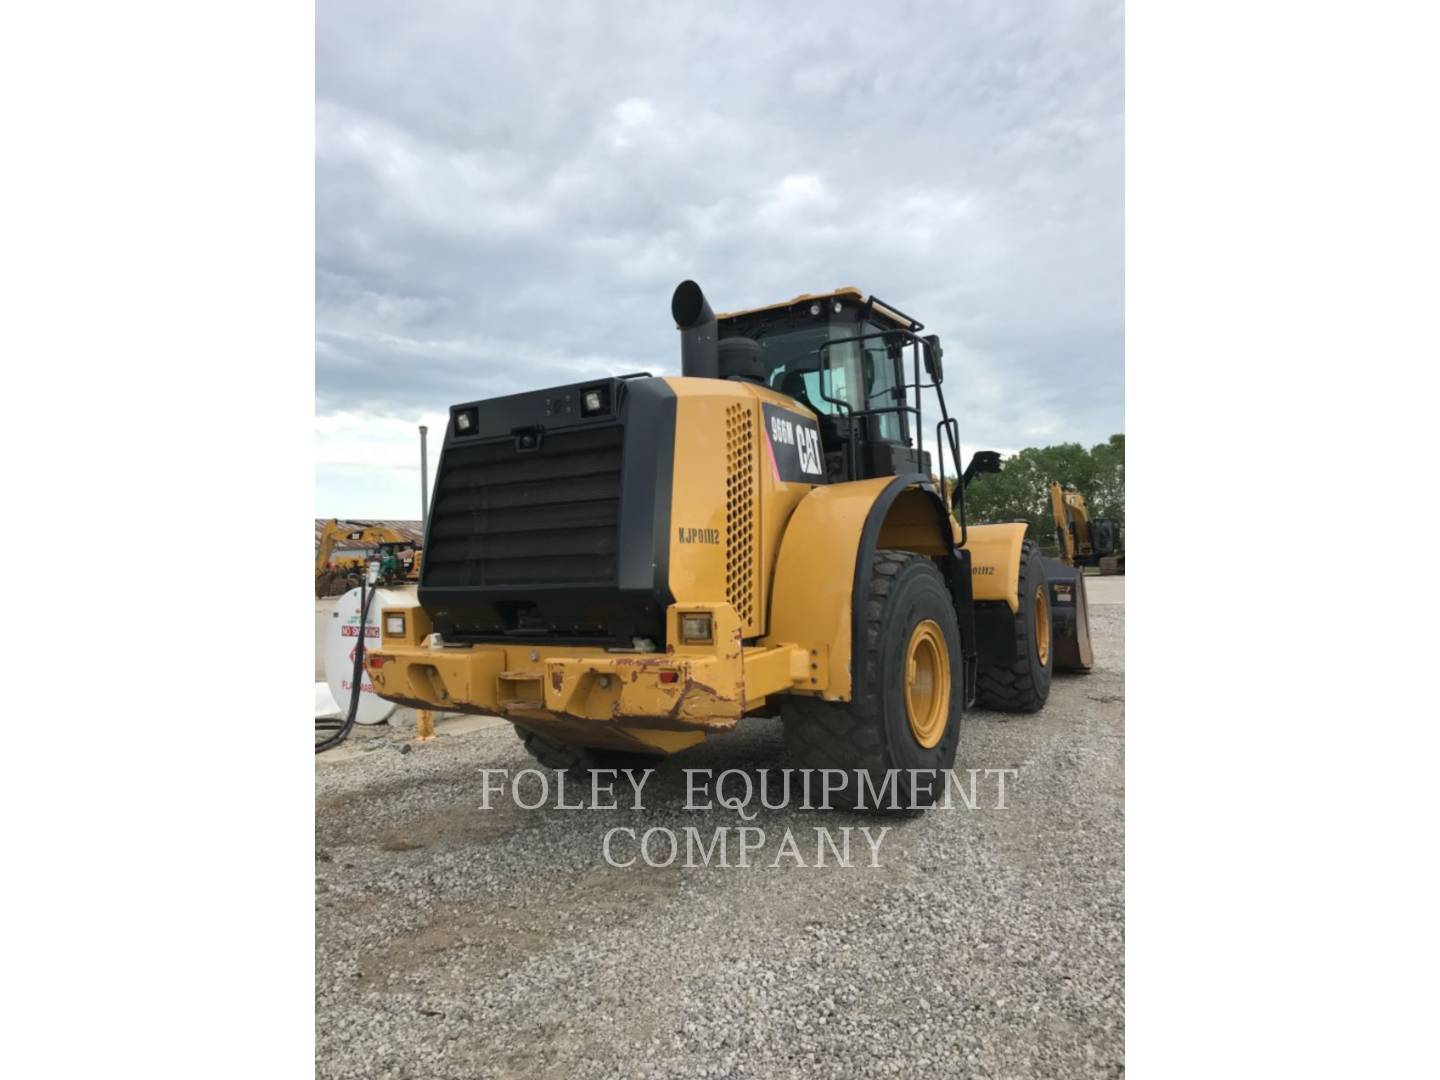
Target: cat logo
809	446
795	449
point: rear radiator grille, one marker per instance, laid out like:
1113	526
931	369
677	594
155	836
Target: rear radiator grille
550	516
740	524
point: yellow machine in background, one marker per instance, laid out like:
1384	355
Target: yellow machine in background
400	557
626	566
1084	542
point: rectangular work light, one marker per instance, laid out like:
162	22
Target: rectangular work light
696	628
594	401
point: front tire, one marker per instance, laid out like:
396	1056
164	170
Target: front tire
1023	685
907	715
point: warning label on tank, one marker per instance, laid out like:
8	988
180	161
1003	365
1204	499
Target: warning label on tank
793	443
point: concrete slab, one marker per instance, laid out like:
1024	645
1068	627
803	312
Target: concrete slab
323	609
461	724
1105	590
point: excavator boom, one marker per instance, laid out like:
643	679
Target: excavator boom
1084	542
330	578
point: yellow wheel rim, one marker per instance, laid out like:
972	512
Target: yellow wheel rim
927	683
1042	625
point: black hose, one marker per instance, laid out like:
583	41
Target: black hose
342	730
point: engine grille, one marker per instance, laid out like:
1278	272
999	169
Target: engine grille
740	578
539	517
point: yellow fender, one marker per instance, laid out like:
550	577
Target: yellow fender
995	561
817	579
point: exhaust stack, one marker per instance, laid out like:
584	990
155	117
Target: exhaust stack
699	351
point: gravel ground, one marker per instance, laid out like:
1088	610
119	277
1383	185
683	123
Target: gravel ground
457	941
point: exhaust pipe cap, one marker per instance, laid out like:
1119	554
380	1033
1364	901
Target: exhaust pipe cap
688	306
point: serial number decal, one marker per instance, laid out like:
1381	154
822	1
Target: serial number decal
794	444
698	536
981	570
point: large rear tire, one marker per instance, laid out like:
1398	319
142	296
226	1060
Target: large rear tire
907	714
581	760
1023	685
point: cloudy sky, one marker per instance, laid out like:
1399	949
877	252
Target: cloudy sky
507	194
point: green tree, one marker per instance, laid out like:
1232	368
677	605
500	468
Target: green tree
1108	497
1021	490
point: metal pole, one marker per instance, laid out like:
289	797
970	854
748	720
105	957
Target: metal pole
424	482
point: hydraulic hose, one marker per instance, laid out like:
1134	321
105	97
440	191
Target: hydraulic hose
342	729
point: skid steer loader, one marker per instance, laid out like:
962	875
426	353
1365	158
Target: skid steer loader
626	566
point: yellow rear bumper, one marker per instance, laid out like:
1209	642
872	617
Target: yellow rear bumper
661	701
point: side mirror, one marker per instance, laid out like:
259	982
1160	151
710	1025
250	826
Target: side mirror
933	355
984	461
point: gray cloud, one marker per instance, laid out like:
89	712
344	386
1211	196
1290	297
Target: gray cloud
506	195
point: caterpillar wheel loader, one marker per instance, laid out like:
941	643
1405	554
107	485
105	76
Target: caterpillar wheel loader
626	566
1085	541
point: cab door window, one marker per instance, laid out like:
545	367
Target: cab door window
884	386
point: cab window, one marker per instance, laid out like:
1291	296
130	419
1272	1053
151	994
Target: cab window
794	356
885	386
862	374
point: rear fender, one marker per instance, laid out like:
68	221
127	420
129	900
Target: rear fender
822	573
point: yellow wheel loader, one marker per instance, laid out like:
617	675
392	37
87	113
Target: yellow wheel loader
626	566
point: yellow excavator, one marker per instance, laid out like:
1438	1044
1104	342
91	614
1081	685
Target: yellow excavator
1085	541
400	557
626	566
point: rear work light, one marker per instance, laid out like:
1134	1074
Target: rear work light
696	628
467	422
594	401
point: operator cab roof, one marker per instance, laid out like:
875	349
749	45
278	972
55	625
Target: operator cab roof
845	294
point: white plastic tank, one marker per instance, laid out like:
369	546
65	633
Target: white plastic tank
341	637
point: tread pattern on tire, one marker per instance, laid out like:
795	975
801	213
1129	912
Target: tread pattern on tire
836	735
1013	688
580	760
